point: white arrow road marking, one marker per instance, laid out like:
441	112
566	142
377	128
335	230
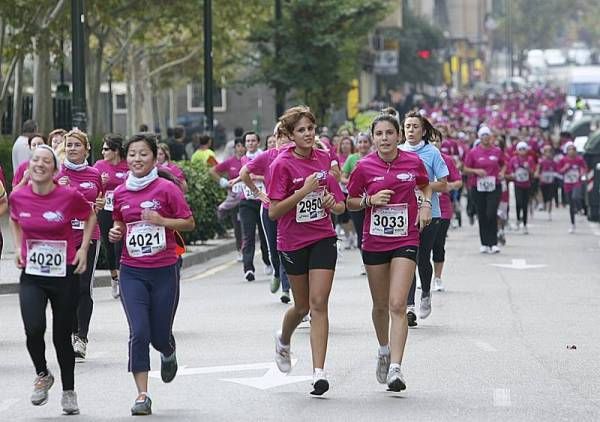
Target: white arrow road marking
272	378
6	404
502	397
519	264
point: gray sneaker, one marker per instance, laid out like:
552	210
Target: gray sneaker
41	386
69	403
395	380
274	284
79	347
425	308
283	357
115	290
142	407
383	366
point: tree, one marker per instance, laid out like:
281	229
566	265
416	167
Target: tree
321	41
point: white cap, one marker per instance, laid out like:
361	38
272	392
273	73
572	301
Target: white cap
483	130
522	145
567	145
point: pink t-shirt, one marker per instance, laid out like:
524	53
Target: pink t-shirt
154	251
175	170
572	169
403	176
489	159
521	169
18	176
306	223
116	174
245	160
89	183
231	166
547	170
453	176
48	217
260	166
450	147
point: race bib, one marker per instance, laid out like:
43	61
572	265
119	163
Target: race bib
572	176
238	187
389	220
547	177
47	258
521	175
310	208
249	194
145	239
486	184
77	224
109	200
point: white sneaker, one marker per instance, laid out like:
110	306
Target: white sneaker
383	367
305	323
483	249
438	285
363	270
320	383
240	257
69	403
494	249
268	270
525	231
283	357
572	229
425	307
115	288
79	347
395	379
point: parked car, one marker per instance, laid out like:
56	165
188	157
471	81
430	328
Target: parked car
579	54
554	57
535	60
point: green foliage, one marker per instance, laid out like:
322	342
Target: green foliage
6	159
203	196
320	44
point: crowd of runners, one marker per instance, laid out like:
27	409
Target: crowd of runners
392	191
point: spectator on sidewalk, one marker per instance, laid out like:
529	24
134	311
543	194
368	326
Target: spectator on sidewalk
177	146
20	149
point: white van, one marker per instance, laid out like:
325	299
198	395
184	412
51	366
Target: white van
584	82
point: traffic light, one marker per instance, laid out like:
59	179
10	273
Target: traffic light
424	54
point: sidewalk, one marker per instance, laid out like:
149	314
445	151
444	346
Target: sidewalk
197	254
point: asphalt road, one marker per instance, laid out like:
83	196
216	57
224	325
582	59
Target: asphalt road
494	347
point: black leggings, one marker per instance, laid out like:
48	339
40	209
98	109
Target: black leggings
439	246
113	250
34	293
358	219
250	219
522	202
427	239
572	206
85	303
487	214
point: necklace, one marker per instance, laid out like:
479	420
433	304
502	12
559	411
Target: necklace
300	155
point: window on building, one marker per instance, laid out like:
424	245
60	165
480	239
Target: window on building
195	97
120	103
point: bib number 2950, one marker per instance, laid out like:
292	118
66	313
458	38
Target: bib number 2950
310	208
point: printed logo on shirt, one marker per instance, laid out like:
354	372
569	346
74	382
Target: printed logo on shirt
24	214
493	158
377	178
298	179
153	205
53	216
125	207
86	185
405	177
120	175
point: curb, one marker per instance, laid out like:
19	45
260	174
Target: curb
189	260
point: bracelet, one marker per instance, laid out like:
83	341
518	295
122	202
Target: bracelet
363	200
368	201
426	201
425	206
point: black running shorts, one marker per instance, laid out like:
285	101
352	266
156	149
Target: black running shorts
321	255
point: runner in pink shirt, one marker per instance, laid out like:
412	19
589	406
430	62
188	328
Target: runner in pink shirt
76	174
148	209
3	210
572	167
21	175
165	163
520	170
384	183
46	251
303	194
113	171
546	173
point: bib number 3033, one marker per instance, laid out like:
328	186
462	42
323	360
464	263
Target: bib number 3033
389	220
145	239
109	201
310	208
47	258
486	184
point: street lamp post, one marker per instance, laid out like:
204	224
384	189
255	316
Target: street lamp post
78	105
208	67
279	92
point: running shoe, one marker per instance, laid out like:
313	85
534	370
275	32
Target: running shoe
383	366
268	270
438	285
525	231
274	284
240	257
425	308
494	249
115	288
142	406
363	270
305	323
249	275
285	297
168	367
69	403
283	358
572	229
41	386
411	316
483	249
79	347
320	383
395	379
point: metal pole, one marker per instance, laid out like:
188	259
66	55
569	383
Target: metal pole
208	67
279	91
110	103
78	105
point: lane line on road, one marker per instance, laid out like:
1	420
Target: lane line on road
502	397
486	347
211	271
7	404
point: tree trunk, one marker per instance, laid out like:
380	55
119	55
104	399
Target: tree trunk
18	99
42	88
139	93
94	83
